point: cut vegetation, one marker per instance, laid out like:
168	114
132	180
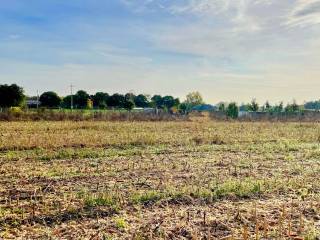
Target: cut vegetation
159	180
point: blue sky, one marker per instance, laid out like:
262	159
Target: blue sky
226	49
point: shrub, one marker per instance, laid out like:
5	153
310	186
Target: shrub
15	110
232	110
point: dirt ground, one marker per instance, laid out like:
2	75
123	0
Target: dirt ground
159	180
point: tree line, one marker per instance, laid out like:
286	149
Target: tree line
13	96
232	109
102	100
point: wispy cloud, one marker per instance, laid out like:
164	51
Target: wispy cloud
305	12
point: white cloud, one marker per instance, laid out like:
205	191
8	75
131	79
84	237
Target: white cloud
227	49
305	12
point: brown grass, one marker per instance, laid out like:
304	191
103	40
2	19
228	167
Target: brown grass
87	115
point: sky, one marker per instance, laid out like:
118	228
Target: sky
228	50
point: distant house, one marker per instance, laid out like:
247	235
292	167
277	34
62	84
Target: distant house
31	103
137	109
149	110
204	108
243	113
146	110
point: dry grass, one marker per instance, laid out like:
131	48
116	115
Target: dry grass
87	115
159	180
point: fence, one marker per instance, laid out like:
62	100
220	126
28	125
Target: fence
303	116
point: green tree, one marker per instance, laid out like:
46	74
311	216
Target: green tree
157	101
278	108
128	104
50	100
183	108
221	107
11	96
176	102
232	110
267	106
253	106
168	102
194	99
141	101
129	101
293	107
116	100
81	99
100	100
129	96
66	102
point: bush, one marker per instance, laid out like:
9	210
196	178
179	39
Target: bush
15	110
232	110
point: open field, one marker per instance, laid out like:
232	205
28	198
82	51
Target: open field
159	180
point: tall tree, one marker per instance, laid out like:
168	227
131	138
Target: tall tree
253	106
221	106
129	101
128	104
267	106
11	96
157	101
66	102
232	110
50	99
278	108
292	107
141	101
194	99
100	100
129	96
168	102
176	102
183	108
116	100
81	99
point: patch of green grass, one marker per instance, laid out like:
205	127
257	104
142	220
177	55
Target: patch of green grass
243	188
120	223
4	211
54	172
76	153
101	200
312	235
202	193
147	197
289	157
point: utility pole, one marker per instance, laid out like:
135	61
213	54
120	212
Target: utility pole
37	99
71	89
